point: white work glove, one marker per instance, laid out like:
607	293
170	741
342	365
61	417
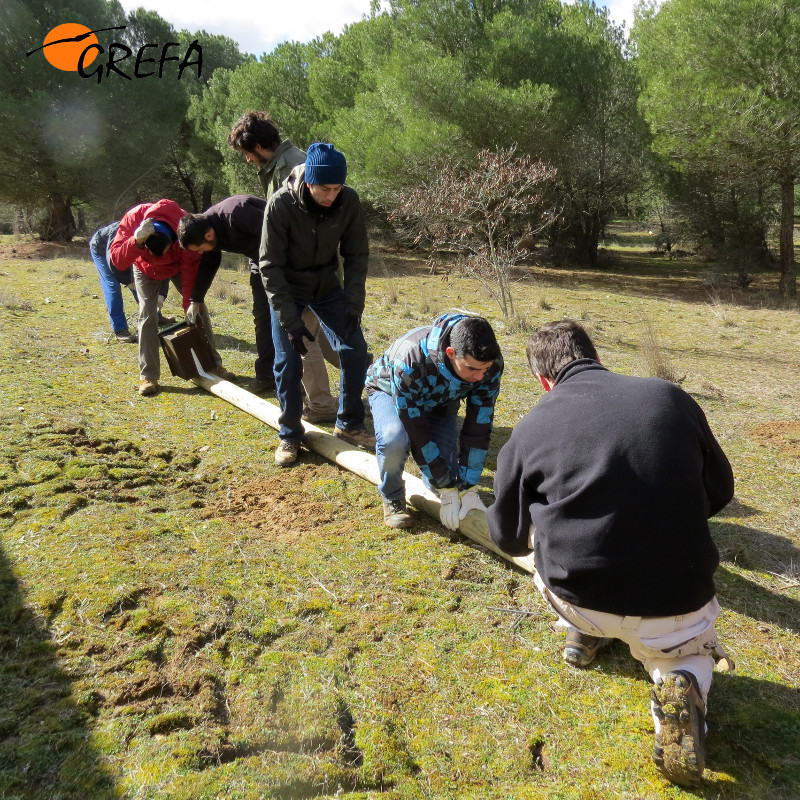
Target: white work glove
144	232
451	504
193	312
470	501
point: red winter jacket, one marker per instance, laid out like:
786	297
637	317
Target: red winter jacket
176	261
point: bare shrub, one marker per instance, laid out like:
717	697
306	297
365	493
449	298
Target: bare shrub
230	292
483	220
656	362
14	303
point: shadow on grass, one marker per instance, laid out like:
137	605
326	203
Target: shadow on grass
751	600
754	733
44	746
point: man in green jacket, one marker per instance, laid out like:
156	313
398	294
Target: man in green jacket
308	223
258	139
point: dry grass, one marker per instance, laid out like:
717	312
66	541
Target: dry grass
182	620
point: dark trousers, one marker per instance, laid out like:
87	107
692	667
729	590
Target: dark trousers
352	352
262	318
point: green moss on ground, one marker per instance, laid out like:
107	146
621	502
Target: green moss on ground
180	619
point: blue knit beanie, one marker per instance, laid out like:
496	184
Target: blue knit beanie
325	165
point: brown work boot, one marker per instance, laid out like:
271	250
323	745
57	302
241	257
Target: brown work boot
395	514
148	388
223	374
360	437
581	648
316	417
680	746
286	454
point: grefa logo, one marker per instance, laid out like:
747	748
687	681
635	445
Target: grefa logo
73	47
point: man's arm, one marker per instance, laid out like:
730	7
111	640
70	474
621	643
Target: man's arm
189	263
206	272
717	472
477	429
272	265
509	518
354	248
425	452
123	248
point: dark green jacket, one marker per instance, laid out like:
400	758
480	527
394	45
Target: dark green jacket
300	247
277	169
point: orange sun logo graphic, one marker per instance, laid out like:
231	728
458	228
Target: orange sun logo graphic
65	43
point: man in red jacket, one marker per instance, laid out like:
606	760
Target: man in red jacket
147	240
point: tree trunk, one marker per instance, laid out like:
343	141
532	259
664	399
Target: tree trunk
208	188
60	224
587	240
788	281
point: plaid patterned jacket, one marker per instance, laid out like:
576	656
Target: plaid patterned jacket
415	371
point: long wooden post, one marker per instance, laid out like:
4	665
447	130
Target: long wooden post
363	464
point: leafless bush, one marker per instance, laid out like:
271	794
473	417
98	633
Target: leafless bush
484	219
655	361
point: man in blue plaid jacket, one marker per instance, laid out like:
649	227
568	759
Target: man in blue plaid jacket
415	391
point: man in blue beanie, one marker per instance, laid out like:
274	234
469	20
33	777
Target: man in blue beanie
308	223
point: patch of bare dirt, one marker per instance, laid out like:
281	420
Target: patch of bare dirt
39	250
279	504
783	435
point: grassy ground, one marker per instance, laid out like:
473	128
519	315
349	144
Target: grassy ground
181	620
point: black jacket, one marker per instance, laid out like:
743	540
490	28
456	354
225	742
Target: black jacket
618	475
300	248
237	223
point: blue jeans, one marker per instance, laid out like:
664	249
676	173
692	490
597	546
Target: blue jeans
392	444
109	283
352	353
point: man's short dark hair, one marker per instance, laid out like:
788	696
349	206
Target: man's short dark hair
473	336
158	244
557	344
192	229
254	128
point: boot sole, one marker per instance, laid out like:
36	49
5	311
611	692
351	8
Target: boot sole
679	751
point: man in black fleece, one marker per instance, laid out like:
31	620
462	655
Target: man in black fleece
610	480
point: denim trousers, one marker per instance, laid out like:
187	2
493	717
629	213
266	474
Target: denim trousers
352	352
392	444
110	285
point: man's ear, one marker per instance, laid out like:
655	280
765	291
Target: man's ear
209	235
450	352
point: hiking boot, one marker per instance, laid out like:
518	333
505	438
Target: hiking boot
316	417
148	388
261	385
581	648
395	514
680	746
286	454
360	437
223	374
162	320
125	337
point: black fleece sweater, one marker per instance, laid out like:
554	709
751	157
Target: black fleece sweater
618	475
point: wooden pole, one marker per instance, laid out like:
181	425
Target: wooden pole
363	464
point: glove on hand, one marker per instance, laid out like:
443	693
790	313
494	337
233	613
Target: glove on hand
296	339
193	312
451	505
352	322
144	232
470	500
